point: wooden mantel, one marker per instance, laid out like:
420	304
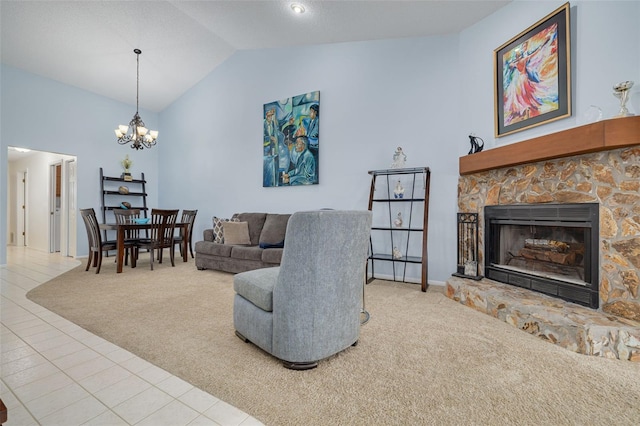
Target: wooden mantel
599	136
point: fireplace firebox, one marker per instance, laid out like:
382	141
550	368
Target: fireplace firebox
549	248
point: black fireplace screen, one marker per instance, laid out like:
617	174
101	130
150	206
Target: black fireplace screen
552	249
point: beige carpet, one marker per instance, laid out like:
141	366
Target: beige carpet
421	359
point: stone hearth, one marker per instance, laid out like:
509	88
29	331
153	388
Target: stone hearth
574	327
597	163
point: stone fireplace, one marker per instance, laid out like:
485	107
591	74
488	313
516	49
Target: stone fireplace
596	166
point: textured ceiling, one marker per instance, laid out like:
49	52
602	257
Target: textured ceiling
89	44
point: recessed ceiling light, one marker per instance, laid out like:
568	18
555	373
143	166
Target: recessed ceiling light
297	8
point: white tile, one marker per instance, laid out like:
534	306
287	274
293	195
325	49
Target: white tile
136	364
89	368
18	353
59	340
54	401
105	378
121	391
120	355
23	363
19	416
173	414
199	400
29	375
105	348
42	336
203	421
64	350
154	374
75	414
174	386
226	414
108	418
142	405
42	386
75	358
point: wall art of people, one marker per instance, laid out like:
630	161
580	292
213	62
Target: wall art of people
291	145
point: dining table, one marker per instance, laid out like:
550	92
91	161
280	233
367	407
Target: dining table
122	228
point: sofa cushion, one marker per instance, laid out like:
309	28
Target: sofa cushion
247	253
272	255
257	286
256	222
274	230
218	234
236	233
213	249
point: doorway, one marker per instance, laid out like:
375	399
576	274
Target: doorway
41	201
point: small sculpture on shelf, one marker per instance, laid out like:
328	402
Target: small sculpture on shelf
621	91
399	158
398	192
397	222
123	189
396	253
126	165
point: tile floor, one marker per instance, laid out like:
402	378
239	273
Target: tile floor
55	373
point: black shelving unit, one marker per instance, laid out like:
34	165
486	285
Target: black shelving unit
416	195
112	198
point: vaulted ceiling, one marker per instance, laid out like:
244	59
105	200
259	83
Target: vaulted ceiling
89	43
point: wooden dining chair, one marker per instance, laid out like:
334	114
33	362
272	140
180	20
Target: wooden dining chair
96	245
188	216
161	234
132	236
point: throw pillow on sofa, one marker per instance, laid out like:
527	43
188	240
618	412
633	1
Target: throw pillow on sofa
218	234
274	230
236	233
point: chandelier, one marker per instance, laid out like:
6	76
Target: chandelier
140	137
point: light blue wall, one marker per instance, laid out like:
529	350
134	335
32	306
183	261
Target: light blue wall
374	96
45	115
425	94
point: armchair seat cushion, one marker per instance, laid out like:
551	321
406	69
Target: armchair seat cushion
257	286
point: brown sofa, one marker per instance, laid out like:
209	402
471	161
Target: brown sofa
266	233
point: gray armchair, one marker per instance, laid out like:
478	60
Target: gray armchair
308	308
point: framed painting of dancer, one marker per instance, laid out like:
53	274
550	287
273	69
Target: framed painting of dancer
532	75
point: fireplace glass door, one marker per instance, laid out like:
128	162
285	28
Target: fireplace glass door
548	248
555	252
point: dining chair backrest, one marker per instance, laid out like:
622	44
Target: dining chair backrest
163	227
93	229
125	216
189	216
